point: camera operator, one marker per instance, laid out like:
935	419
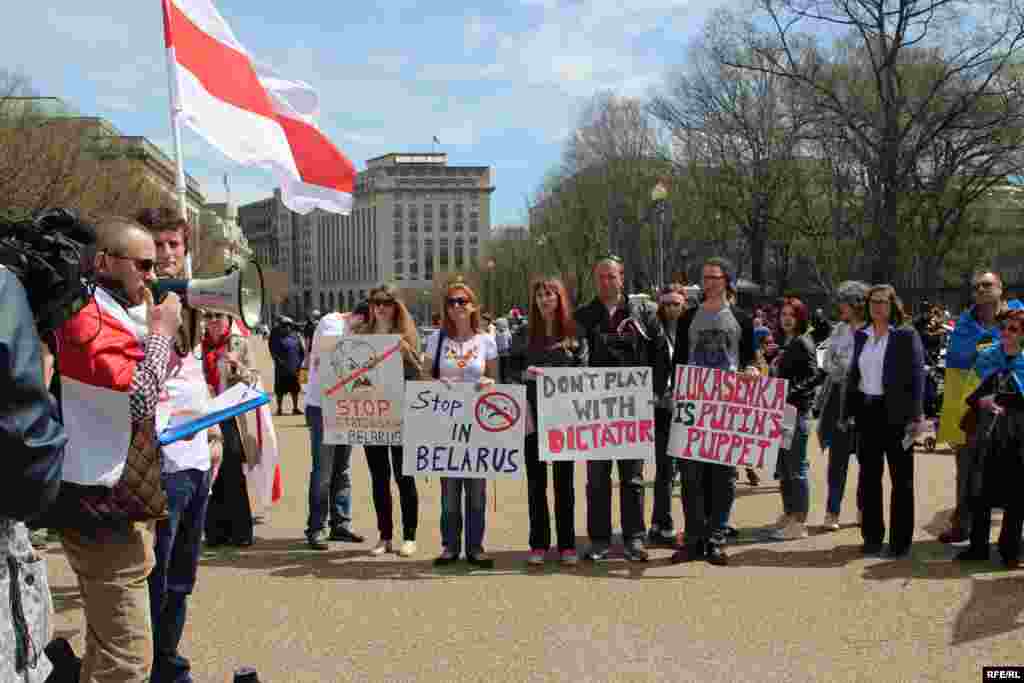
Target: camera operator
113	358
32	440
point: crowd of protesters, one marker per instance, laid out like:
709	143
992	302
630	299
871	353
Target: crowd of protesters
863	378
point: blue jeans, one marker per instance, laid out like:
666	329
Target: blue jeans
178	544
330	479
793	468
452	517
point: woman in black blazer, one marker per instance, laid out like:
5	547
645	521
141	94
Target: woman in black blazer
884	398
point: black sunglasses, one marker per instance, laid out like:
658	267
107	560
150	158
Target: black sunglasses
143	265
382	302
459	301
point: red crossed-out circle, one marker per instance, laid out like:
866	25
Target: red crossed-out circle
497	411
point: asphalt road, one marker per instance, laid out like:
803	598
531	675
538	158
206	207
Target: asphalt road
809	610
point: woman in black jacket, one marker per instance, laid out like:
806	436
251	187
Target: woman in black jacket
548	342
884	393
796	363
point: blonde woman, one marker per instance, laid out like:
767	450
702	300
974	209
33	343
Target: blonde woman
388	315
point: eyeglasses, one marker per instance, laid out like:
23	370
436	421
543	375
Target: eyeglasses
383	302
984	284
712	277
143	265
672	304
459	301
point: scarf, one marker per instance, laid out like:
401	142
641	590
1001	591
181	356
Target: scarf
994	360
968	334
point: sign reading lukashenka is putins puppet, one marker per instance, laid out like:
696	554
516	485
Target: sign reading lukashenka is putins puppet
728	418
595	414
362	389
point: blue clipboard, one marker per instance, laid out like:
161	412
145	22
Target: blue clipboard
187	429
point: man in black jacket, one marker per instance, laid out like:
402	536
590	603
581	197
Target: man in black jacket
619	334
713	335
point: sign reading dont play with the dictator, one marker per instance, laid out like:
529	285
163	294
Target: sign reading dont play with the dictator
595	414
727	418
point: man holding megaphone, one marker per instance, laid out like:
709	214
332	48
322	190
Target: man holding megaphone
187	464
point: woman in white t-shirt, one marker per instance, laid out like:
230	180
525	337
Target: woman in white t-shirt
460	352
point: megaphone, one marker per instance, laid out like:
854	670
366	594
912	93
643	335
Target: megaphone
239	293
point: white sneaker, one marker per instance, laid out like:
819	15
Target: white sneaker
381	548
791	532
831	522
407	549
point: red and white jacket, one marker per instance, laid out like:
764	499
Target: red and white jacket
112	371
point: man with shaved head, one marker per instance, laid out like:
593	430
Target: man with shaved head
113	362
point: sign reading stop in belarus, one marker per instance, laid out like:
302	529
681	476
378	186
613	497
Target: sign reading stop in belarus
464	433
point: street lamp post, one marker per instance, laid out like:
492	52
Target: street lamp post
491	265
659	196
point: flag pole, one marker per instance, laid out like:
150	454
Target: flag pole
180	189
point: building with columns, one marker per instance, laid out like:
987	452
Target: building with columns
413	216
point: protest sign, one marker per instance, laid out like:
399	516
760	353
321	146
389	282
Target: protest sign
728	418
362	389
464	433
595	414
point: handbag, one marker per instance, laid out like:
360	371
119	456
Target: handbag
138	495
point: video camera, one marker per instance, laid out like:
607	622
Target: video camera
52	257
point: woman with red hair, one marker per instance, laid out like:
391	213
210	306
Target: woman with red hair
549	341
797	363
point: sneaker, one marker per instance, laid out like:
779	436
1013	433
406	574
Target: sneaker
716	556
597	552
318	540
339	534
781	522
661	538
953	536
791	532
831	522
480	560
536	557
972	555
752	477
635	551
381	548
407	549
570	558
445	559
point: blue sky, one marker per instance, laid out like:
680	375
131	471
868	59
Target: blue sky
500	85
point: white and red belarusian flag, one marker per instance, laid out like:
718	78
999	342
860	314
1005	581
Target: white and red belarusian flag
249	112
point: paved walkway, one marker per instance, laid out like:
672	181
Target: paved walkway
810	610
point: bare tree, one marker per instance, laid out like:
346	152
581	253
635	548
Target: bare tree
861	80
739	134
50	159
